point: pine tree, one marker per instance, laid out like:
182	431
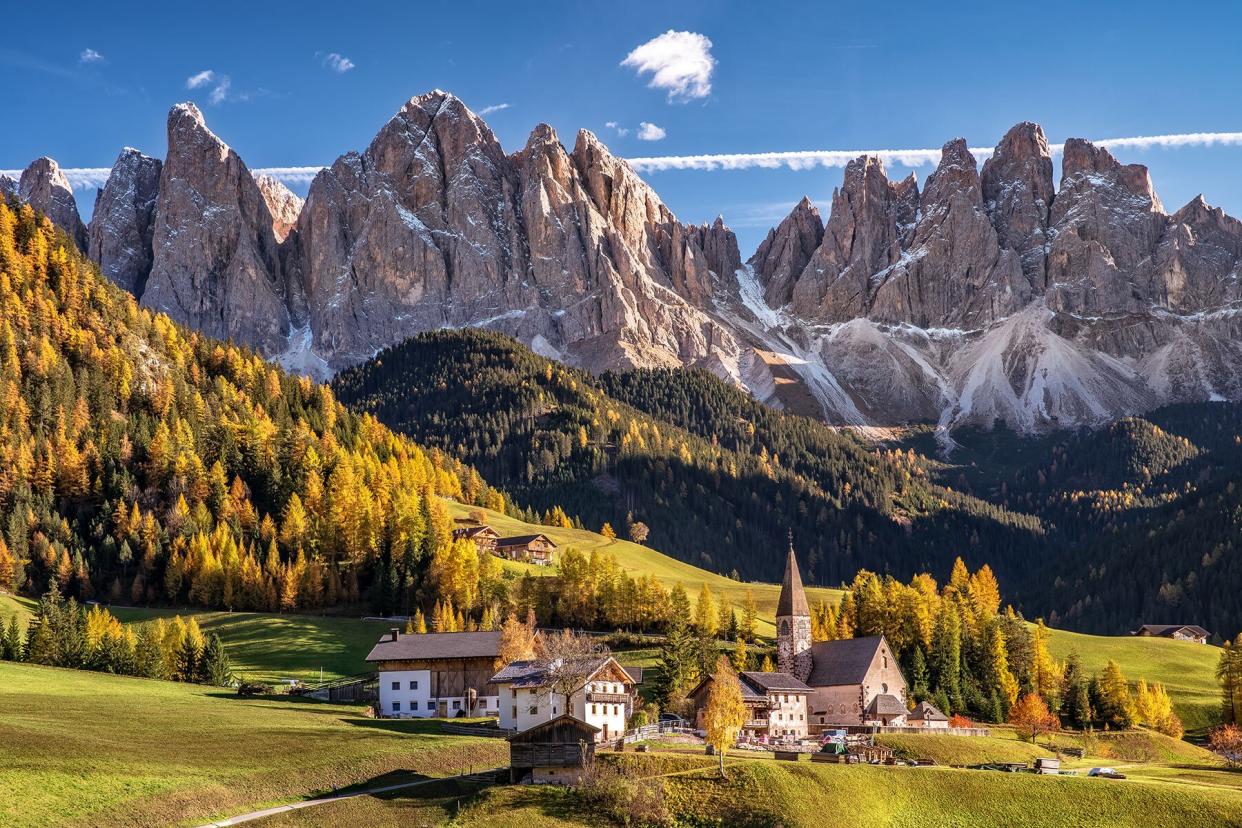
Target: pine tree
13	649
1075	697
214	667
1229	674
679	667
750	616
1113	703
148	655
705	618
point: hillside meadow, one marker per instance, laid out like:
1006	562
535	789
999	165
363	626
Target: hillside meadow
81	748
759	792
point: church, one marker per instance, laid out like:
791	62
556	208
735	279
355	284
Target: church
852	682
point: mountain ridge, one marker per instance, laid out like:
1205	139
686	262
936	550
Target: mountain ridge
988	295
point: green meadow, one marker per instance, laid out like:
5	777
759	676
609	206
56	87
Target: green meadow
80	748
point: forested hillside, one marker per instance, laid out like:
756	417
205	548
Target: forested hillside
719	479
1143	516
141	462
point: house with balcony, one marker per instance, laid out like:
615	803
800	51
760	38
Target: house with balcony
536	549
776	705
484	536
604	699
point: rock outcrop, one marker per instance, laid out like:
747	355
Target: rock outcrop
215	260
123	222
1017	192
44	187
282	203
8	186
785	253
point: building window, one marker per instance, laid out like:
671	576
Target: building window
884	658
456	704
413	685
534	709
884	688
515	711
396	685
396	706
413	705
593	710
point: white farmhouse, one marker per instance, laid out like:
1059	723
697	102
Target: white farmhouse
604	699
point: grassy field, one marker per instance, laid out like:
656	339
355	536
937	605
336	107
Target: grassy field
1187	670
640	560
765	793
267	647
82	748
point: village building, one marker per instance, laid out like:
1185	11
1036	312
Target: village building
1180	632
853	682
436	674
535	549
555	752
604	700
484	536
925	715
775	705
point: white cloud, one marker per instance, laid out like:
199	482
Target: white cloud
807	159
89	177
679	62
617	128
488	110
338	63
201	79
221	93
90	56
650	132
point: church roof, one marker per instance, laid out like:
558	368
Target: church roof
774	682
793	597
924	710
842	662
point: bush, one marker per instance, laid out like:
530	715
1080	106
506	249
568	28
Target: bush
609	793
253	688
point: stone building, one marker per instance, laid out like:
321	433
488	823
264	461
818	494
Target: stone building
852	682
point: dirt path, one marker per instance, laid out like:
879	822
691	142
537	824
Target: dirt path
324	800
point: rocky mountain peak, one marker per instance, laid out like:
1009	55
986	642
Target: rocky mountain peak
7	186
215	259
1082	158
44	187
786	251
1018	192
123	221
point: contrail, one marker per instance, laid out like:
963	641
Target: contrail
87	177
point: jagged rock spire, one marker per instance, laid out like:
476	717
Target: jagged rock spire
793	596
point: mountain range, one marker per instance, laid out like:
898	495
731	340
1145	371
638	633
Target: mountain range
986	295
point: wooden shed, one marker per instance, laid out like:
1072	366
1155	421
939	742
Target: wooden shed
555	752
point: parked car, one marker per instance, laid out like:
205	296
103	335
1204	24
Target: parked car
1106	773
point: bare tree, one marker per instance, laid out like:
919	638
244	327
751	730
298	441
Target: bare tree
567	660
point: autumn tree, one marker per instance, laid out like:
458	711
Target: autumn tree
725	712
1030	714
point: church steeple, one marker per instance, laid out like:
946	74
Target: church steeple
793	597
793	622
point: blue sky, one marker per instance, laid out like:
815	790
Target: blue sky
785	76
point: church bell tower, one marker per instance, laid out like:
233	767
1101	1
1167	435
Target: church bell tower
793	623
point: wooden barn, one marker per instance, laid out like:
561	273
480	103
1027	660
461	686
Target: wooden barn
484	536
555	752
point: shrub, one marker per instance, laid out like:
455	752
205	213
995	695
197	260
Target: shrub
609	793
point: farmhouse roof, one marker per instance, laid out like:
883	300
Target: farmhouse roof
522	540
1169	629
562	721
842	662
530	673
885	704
775	682
436	645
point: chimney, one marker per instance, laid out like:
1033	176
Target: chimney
392	632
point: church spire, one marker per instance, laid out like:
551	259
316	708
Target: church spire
793	597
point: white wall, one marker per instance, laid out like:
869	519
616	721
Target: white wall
412	697
787	716
516	706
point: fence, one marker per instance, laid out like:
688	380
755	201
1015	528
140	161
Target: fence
917	731
351	689
650	731
474	730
